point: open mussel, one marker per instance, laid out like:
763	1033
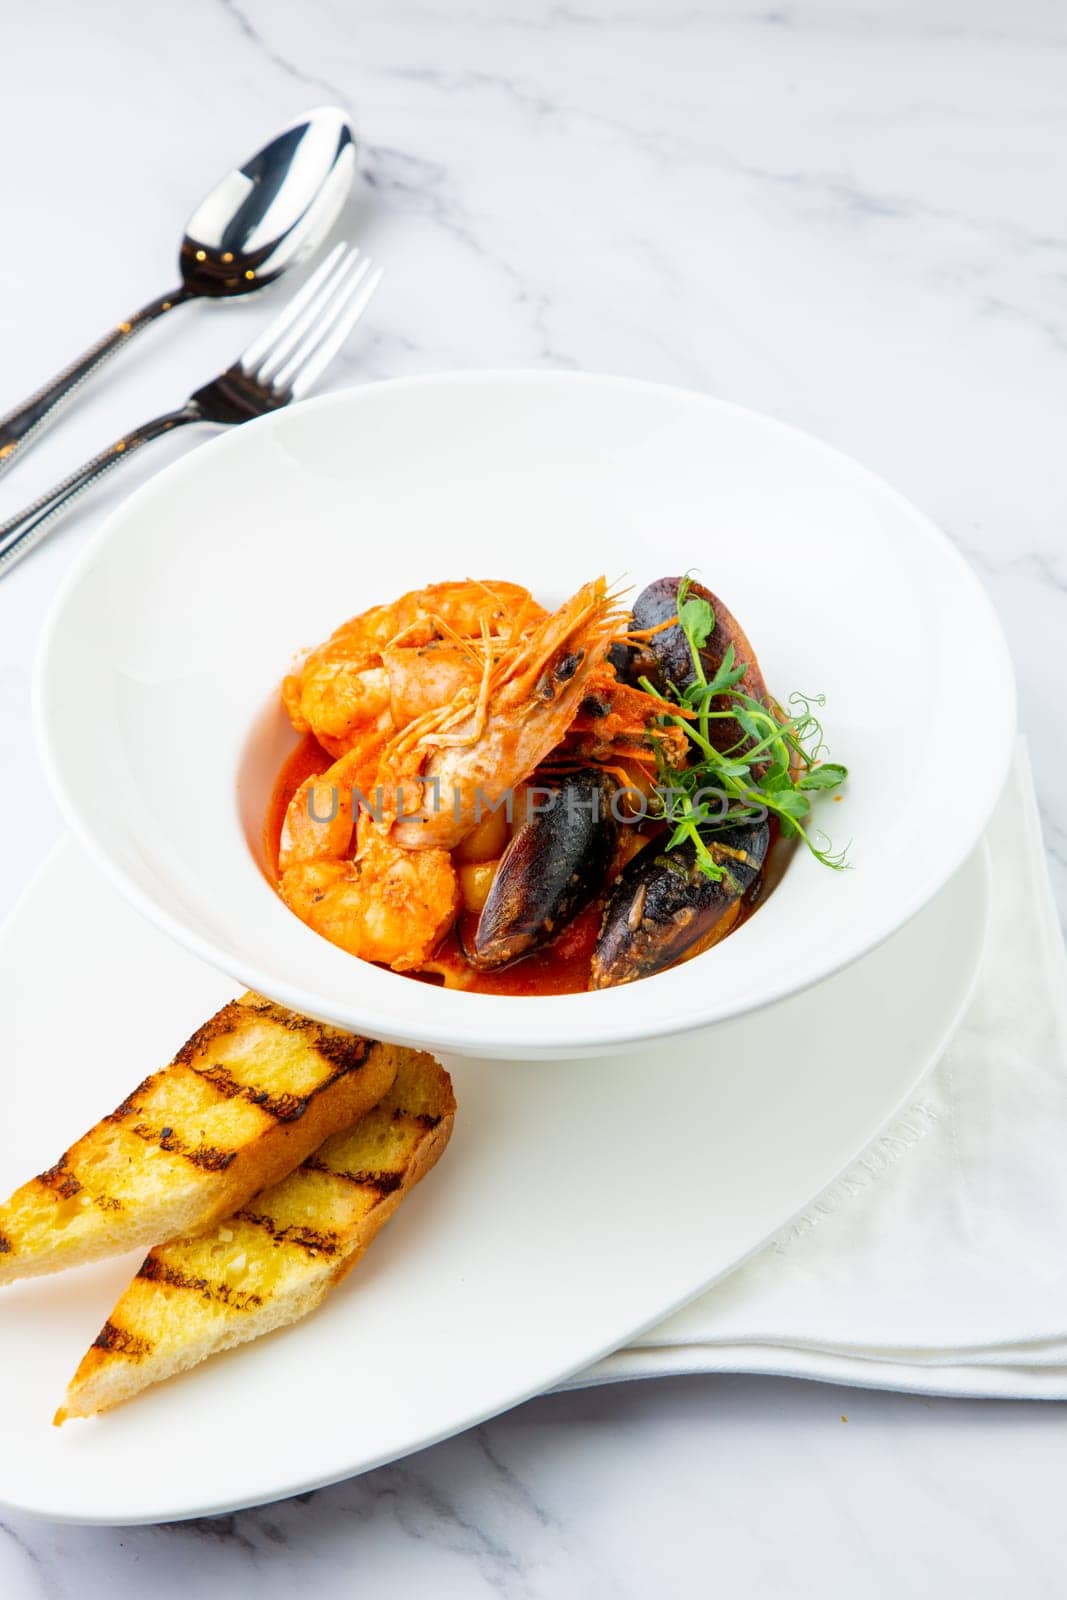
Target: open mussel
664	907
556	863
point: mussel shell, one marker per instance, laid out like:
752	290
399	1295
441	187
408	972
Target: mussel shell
663	907
556	863
659	602
632	662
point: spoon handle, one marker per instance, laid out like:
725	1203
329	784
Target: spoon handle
20	426
22	532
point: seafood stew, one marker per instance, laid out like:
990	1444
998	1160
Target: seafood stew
500	798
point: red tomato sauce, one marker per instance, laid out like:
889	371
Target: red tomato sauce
562	967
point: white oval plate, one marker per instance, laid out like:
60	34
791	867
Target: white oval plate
168	641
578	1203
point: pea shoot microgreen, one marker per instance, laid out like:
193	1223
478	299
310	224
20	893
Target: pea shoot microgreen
774	766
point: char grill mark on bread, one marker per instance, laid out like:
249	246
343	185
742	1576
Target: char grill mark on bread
274	1260
252	1093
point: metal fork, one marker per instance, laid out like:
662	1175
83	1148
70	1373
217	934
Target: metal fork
278	367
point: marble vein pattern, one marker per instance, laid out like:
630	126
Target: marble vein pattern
849	215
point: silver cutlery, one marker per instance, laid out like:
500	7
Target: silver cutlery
260	220
279	366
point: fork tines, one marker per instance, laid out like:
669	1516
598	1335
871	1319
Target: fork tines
294	350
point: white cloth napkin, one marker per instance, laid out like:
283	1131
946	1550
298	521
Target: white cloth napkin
938	1261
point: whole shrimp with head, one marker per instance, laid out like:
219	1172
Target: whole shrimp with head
378	879
393	662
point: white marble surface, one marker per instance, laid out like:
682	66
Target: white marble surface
850	216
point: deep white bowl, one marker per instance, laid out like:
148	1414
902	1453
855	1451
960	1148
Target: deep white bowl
156	684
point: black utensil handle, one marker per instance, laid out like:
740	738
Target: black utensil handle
31	418
21	533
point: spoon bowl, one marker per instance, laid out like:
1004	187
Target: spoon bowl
271	213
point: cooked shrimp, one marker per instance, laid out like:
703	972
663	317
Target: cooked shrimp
424	677
386	904
338	703
343	685
469	754
319	820
394	896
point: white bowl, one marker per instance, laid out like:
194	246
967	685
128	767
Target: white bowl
156	683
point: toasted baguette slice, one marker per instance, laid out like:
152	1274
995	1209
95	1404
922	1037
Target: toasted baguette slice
251	1094
273	1261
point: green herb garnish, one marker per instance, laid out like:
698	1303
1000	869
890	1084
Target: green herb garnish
774	767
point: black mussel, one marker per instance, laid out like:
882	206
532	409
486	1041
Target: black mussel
659	602
664	907
632	662
556	863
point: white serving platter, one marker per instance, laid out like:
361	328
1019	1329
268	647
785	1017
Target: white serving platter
579	1203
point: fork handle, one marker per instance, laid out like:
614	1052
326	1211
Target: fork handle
21	533
23	424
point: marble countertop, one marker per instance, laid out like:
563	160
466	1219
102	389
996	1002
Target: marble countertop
848	216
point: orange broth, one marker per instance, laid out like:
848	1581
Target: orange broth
307	760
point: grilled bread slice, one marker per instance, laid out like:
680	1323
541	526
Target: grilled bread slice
274	1260
242	1103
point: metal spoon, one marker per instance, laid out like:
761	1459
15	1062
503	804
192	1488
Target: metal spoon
261	219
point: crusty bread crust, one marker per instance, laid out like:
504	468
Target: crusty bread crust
243	1102
275	1260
